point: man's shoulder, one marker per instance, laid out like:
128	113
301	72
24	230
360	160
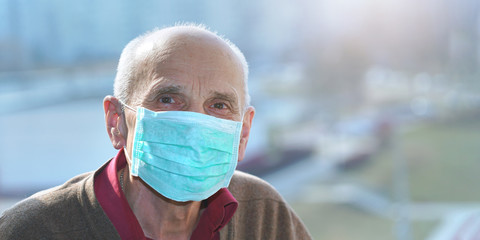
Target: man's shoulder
66	193
247	187
262	213
45	210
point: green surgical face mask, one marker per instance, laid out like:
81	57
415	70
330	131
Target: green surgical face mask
185	156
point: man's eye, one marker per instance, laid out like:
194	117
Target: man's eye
167	100
219	105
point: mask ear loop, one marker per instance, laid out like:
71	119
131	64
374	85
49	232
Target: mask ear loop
124	105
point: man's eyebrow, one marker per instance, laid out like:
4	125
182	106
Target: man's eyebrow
167	89
160	90
225	96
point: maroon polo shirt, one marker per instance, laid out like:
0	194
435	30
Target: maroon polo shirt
220	207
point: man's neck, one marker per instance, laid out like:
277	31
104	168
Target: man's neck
159	217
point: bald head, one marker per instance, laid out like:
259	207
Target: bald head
150	55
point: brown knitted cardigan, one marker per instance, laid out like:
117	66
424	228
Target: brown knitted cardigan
71	211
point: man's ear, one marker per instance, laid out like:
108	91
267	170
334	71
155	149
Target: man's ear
247	125
114	121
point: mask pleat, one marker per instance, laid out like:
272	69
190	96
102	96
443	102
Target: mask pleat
176	183
185	169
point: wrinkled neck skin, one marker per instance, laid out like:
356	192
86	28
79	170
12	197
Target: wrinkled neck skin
159	217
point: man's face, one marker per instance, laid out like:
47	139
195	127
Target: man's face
199	75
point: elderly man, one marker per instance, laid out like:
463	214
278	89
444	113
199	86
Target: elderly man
180	118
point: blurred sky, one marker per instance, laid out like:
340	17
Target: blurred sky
317	68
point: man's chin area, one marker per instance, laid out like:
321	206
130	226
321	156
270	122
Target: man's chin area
166	199
176	203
